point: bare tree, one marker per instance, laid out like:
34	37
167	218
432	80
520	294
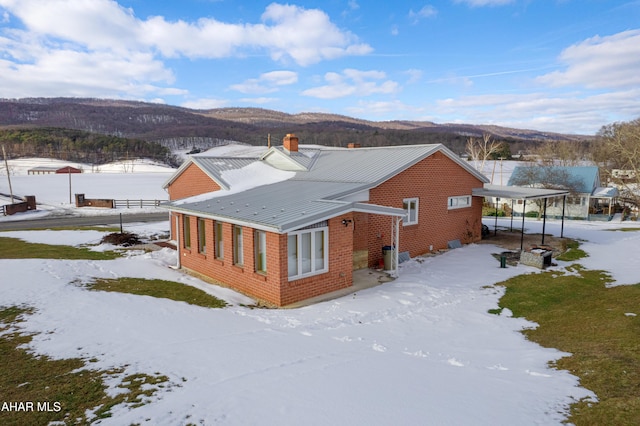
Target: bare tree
561	153
548	177
481	150
617	152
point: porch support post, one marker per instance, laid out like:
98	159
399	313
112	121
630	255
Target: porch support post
396	255
495	225
512	215
544	219
524	209
178	245
564	203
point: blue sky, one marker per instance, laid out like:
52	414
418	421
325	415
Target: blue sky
552	65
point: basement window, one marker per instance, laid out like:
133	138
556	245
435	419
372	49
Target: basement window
308	252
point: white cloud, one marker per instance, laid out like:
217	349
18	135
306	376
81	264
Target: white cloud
266	83
600	62
561	112
427	11
480	3
205	103
353	83
99	48
381	108
414	75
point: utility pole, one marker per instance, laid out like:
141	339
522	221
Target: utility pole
6	166
69	170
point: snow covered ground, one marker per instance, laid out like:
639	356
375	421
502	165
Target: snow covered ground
55	194
419	350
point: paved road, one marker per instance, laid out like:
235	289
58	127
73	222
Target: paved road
60	221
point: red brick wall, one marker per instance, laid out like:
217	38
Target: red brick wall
340	274
432	180
192	181
274	286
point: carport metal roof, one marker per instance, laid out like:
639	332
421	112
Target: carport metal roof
517	192
524	193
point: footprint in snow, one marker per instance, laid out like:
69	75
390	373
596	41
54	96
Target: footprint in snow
306	333
407	293
498	367
417	353
533	373
343	339
455	362
405	302
379	348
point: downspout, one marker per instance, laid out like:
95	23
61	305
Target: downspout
544	219
178	263
524	209
564	203
396	254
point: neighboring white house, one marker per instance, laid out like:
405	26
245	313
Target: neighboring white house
590	200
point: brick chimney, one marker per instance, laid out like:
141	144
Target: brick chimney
290	142
352	145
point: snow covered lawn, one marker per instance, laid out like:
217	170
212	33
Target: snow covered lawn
420	350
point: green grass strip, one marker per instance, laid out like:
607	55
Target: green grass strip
15	248
598	326
572	252
62	390
158	288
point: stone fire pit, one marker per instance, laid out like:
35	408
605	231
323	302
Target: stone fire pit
537	256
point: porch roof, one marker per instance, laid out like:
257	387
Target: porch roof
280	207
517	192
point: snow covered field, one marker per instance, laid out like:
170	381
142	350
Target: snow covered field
419	350
143	180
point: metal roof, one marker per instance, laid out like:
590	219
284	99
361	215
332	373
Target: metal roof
213	167
605	192
310	196
280	207
517	192
374	165
587	176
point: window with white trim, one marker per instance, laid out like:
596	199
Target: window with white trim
308	252
219	241
202	236
410	205
459	202
186	231
238	249
260	247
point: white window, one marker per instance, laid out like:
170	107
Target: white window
260	246
459	202
411	207
308	252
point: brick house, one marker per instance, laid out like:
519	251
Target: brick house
287	223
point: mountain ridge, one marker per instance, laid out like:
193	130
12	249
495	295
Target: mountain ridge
161	122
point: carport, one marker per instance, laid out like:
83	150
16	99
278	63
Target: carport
524	194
